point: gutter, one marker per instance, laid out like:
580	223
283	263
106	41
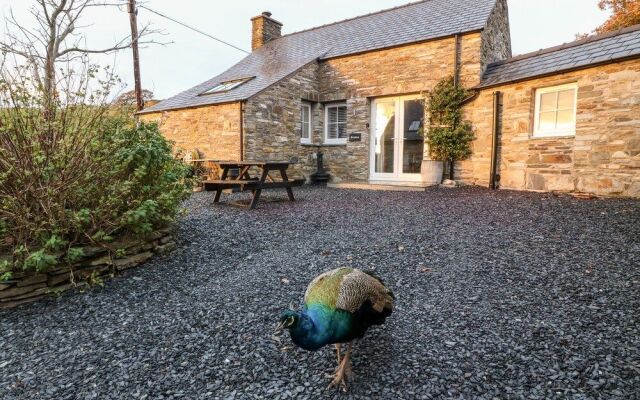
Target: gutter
474	95
149	111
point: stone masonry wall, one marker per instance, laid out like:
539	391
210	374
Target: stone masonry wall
496	37
213	130
604	156
404	70
263	30
97	264
272	118
272	121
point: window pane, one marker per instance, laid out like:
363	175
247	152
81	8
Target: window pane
305	113
548	101
566	99
342	122
565	119
336	122
385	122
342	114
547	121
342	130
413	147
332	131
333	115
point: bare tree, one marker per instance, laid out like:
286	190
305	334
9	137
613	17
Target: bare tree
129	98
58	38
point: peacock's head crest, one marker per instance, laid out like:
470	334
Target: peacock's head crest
288	319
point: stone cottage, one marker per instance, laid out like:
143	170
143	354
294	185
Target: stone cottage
560	119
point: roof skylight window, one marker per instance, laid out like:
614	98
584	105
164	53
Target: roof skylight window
226	86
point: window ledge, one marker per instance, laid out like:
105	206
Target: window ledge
336	144
552	137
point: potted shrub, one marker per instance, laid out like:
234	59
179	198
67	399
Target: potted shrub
448	136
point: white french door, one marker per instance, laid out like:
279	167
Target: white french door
397	146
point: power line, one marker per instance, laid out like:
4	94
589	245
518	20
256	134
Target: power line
193	29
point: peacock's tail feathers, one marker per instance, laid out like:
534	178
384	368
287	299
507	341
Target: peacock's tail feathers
374	275
350	290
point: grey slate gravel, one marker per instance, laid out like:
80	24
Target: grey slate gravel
500	294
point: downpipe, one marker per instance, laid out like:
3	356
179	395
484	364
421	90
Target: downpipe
494	178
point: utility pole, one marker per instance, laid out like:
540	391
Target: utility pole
136	53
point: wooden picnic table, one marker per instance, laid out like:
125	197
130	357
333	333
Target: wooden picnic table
246	182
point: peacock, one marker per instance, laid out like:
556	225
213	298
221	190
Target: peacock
339	306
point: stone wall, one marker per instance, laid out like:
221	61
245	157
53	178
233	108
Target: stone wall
264	29
409	69
272	121
496	37
272	118
213	130
604	156
97	264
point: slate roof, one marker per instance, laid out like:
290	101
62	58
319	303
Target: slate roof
594	50
410	23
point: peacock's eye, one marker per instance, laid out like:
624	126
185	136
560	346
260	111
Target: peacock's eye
290	321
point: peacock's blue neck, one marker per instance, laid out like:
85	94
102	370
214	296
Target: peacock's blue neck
319	325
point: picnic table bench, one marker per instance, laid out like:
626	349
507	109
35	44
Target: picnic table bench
245	182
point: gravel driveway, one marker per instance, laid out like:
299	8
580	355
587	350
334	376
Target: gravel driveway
499	294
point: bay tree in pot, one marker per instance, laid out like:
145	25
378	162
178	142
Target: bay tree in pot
447	135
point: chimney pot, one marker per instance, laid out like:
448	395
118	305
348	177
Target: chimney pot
266	13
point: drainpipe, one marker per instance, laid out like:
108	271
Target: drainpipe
494	178
242	131
456	60
456	82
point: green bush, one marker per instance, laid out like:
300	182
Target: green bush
63	187
449	137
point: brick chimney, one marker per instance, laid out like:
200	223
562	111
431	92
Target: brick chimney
264	29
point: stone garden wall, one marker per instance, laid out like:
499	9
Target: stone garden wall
603	157
97	264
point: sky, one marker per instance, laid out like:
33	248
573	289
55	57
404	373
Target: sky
191	58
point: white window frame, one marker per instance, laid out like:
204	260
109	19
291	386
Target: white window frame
327	140
306	140
571	131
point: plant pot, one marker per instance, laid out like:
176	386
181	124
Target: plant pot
432	172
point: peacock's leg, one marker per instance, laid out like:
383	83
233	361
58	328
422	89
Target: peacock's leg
348	372
338	349
343	371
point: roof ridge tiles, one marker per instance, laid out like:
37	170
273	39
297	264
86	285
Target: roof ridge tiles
354	18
